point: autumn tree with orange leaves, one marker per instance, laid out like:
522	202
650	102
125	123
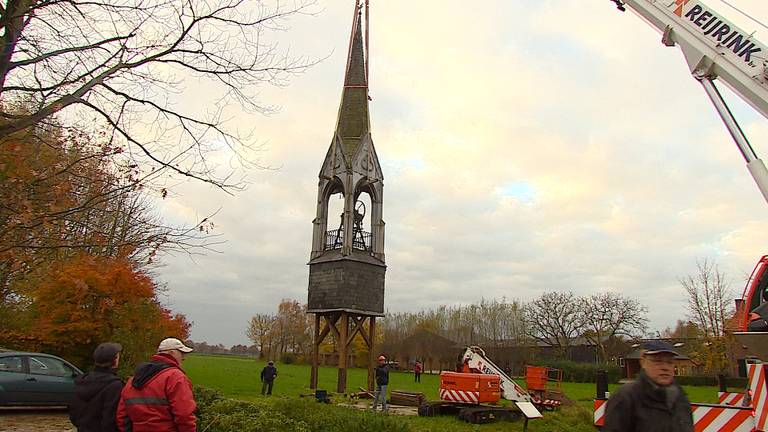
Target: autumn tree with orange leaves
77	238
65	191
85	300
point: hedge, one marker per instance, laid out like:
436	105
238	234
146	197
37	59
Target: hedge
732	382
584	372
219	414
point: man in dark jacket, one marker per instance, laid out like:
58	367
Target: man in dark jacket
653	402
158	398
268	375
382	380
97	393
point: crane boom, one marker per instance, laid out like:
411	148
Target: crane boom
715	48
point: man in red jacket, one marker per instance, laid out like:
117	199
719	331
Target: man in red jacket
158	398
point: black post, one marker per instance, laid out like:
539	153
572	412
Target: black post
721	382
601	379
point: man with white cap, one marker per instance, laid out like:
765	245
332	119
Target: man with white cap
158	398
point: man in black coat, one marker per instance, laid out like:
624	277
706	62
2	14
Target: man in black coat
653	402
268	375
97	393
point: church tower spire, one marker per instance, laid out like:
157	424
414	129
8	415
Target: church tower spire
353	119
346	267
351	166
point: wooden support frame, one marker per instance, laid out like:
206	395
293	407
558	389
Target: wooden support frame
344	326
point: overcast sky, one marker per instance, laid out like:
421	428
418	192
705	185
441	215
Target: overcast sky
527	146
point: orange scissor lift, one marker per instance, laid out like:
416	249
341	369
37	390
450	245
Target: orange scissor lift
543	384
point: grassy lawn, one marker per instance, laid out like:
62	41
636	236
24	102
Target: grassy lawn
238	378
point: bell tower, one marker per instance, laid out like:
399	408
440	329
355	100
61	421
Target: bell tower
346	267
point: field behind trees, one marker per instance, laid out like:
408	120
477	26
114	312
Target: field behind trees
238	378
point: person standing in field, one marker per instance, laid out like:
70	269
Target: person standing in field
382	380
654	402
158	398
268	375
97	393
417	368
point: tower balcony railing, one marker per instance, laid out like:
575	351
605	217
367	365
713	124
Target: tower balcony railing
361	240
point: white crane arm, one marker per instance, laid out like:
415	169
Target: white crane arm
713	46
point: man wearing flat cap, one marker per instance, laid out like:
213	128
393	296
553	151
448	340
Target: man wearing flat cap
158	398
98	392
654	402
268	375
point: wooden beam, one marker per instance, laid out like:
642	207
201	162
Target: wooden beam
315	353
358	322
330	324
341	386
372	355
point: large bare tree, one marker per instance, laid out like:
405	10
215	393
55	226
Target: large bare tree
118	63
555	318
609	315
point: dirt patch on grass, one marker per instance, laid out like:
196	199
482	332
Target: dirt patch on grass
393	409
35	421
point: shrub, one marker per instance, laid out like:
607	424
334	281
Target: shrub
205	397
288	358
230	415
329	418
218	414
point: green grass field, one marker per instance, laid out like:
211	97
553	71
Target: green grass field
238	378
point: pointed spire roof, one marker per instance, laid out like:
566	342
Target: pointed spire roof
353	121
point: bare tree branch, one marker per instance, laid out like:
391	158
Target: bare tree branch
121	60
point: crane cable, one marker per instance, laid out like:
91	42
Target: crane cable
745	14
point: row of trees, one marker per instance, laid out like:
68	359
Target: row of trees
558	319
555	318
287	334
237	349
